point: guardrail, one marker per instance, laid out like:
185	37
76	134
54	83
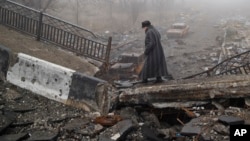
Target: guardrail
238	64
48	28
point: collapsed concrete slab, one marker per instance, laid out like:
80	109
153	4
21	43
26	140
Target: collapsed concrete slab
188	90
57	83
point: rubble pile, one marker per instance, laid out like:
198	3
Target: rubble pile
236	36
26	116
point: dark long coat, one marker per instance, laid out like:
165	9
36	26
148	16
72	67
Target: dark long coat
154	63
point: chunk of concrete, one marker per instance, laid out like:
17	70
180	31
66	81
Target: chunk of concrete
121	66
190	130
123	127
41	77
83	88
131	57
231	120
123	84
57	83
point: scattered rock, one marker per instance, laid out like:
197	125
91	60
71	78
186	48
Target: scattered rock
221	129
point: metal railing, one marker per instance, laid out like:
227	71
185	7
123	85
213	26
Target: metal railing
51	29
238	64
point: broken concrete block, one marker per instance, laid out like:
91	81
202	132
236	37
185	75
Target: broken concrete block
121	66
124	126
83	90
55	82
14	137
123	84
41	77
190	130
117	132
131	57
231	120
180	91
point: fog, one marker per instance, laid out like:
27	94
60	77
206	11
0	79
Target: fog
208	21
124	15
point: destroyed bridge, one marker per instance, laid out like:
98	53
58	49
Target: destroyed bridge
229	79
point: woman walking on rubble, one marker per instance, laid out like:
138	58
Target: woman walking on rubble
155	63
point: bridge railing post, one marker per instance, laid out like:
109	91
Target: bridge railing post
108	54
39	28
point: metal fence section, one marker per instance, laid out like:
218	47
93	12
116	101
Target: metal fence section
51	29
238	64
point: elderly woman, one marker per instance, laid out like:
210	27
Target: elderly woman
155	64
